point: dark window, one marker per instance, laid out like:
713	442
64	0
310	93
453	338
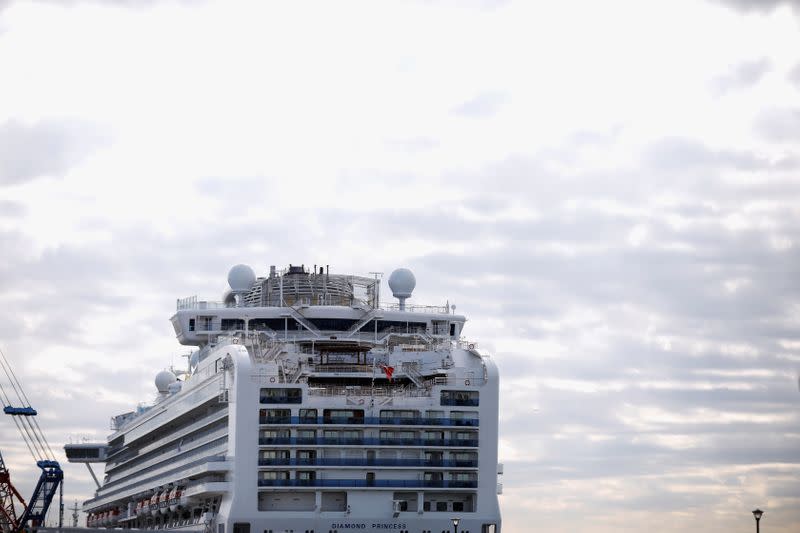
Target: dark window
277	324
281	395
241	527
82	453
458	506
426	506
232	324
459	397
333	324
441	506
452	330
191	324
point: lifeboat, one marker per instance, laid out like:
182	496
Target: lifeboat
142	507
175	499
153	505
163	499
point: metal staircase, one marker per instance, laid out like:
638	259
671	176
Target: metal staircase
294	313
369	315
411	370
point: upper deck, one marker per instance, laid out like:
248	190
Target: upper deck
297	304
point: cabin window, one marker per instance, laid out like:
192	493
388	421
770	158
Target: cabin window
191	324
241	527
343	416
272	474
460	397
274	416
281	395
308	415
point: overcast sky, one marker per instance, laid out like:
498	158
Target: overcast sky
610	191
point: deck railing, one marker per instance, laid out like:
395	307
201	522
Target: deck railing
416	483
443	463
369	421
367	441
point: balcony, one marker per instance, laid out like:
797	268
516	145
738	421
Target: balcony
445	463
390	483
333	441
370	421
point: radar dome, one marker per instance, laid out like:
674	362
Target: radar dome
164	379
402	283
241	278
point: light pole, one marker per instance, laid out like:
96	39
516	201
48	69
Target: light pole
455	524
757	513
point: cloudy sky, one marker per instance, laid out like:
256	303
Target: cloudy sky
610	191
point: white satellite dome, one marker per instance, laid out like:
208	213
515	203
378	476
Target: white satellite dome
402	283
241	278
164	379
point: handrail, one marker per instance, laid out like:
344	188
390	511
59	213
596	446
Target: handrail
370	420
432	483
324	461
369	441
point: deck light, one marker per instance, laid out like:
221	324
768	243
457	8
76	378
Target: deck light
455	524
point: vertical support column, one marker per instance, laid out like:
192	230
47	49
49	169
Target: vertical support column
420	501
318	501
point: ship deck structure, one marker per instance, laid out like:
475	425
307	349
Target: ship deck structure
308	405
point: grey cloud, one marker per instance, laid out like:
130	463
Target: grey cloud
47	148
481	106
779	124
794	75
762	6
740	76
676	153
9	209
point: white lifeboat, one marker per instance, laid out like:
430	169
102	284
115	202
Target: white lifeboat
175	499
153	505
163	502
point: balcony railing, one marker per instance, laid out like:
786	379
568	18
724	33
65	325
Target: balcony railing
370	420
416	483
442	463
334	441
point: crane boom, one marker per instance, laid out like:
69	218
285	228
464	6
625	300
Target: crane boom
50	479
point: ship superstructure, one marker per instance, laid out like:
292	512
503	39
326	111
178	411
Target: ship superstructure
309	406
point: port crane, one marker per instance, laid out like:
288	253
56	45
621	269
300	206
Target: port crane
16	405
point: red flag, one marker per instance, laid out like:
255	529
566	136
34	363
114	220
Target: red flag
388	370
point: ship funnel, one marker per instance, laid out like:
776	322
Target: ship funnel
402	283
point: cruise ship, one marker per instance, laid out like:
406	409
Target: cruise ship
308	406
